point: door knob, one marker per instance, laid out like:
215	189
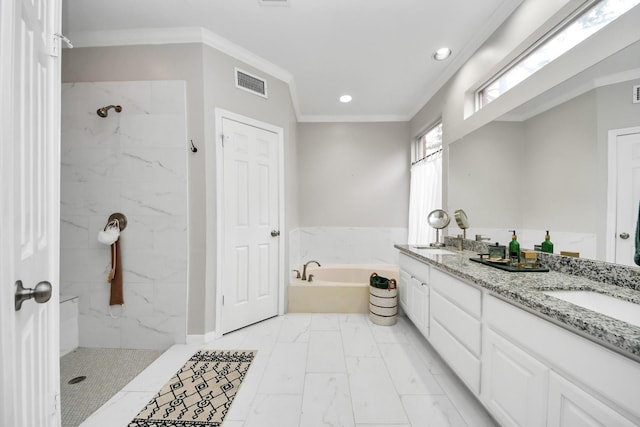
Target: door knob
41	293
624	235
275	233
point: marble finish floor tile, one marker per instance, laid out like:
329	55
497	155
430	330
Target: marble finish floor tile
373	394
432	411
409	373
326	401
326	353
323	370
285	371
282	410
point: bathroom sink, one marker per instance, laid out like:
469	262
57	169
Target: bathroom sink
601	303
434	251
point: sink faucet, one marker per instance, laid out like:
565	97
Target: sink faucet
480	238
304	269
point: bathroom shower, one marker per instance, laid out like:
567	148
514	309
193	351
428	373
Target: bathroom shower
104	111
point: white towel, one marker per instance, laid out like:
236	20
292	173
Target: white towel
109	235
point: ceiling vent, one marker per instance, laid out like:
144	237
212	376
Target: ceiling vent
251	83
636	94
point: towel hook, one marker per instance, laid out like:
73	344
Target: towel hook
193	147
118	219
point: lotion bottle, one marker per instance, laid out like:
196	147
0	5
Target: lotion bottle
547	246
514	248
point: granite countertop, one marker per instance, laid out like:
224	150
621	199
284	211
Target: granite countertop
526	290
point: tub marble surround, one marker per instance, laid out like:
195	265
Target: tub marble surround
526	291
345	245
134	162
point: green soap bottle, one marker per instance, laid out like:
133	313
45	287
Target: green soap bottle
514	248
547	246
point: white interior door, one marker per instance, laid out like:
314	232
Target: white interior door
30	79
251	236
627	196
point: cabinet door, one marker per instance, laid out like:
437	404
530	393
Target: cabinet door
419	304
403	290
570	406
514	384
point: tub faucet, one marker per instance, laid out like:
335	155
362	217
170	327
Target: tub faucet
304	269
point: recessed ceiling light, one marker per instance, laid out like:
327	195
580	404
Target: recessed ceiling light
345	98
442	54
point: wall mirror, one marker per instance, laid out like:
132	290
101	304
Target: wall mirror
545	165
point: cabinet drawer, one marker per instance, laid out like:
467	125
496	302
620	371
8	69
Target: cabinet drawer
461	325
465	364
414	267
461	294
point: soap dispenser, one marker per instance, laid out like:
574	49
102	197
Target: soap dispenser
547	246
514	248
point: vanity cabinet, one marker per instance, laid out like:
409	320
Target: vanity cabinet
414	291
455	325
526	370
535	373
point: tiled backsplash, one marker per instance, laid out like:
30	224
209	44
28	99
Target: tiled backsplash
600	271
132	162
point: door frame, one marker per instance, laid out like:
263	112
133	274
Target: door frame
612	188
221	114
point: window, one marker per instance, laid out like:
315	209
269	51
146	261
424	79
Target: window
425	193
571	32
427	144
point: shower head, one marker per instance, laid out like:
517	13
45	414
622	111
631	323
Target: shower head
104	111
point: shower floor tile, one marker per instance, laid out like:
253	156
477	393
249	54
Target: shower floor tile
107	371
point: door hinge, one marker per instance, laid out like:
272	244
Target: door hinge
222	140
55	404
222	299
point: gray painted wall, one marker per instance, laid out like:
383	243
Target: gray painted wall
536	174
210	83
558	168
354	174
481	175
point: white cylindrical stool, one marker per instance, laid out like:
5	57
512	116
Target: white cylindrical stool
383	304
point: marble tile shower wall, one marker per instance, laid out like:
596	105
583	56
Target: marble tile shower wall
346	245
134	162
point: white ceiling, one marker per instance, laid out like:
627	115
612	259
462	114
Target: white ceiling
378	51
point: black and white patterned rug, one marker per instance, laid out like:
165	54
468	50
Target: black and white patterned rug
200	393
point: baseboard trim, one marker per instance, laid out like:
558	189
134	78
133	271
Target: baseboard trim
201	339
